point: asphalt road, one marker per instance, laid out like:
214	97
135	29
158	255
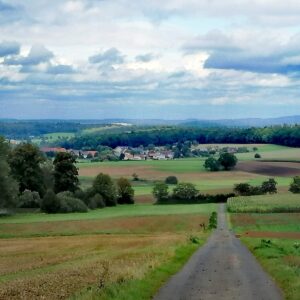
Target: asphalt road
222	269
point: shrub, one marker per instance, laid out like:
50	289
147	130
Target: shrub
257	155
104	186
96	202
185	191
29	199
50	203
68	203
171	180
269	186
295	185
160	191
135	177
213	222
125	191
212	164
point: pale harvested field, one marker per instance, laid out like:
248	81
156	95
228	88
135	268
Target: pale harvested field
57	267
124	225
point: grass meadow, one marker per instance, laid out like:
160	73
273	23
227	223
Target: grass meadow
113	253
274	238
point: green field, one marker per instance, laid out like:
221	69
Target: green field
113	253
112	212
274	238
264	203
192	170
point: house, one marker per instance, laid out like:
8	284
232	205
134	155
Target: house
83	154
87	154
53	149
119	150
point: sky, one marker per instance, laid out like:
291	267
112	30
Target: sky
171	59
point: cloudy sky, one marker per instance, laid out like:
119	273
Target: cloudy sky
171	59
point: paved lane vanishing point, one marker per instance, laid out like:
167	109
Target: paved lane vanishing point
222	269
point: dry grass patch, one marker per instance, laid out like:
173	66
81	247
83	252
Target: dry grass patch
145	224
57	267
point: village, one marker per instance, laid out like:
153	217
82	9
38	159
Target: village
143	153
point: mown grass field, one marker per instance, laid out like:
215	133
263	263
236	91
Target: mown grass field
274	238
114	253
249	170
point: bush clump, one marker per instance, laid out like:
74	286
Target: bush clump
29	199
295	185
68	203
50	203
171	180
125	191
96	202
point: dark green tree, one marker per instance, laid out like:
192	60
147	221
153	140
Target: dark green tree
25	163
171	180
227	160
269	186
243	189
8	186
50	203
104	186
212	164
185	192
125	191
295	185
65	173
160	191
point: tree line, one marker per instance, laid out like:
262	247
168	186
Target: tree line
280	135
29	180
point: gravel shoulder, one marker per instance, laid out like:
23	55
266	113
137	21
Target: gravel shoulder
223	269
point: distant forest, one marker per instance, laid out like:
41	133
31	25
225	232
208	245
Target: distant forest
280	135
134	136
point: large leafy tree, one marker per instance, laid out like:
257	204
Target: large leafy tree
160	191
212	164
25	163
185	191
228	160
104	186
125	191
65	173
8	186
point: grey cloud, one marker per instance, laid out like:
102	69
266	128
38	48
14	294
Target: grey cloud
9	48
263	55
145	57
107	58
37	55
60	69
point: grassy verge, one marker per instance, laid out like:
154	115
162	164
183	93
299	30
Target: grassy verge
281	259
146	287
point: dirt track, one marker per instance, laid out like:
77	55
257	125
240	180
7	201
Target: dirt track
222	269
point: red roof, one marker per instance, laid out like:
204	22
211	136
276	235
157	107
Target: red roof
49	149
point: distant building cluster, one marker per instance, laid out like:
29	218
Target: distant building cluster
127	153
77	153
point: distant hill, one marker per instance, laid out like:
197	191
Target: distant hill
250	122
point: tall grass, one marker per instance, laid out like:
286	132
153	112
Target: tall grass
264	204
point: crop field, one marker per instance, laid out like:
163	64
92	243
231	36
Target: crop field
274	238
264	203
278	162
92	255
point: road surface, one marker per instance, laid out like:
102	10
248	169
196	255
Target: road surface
222	269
